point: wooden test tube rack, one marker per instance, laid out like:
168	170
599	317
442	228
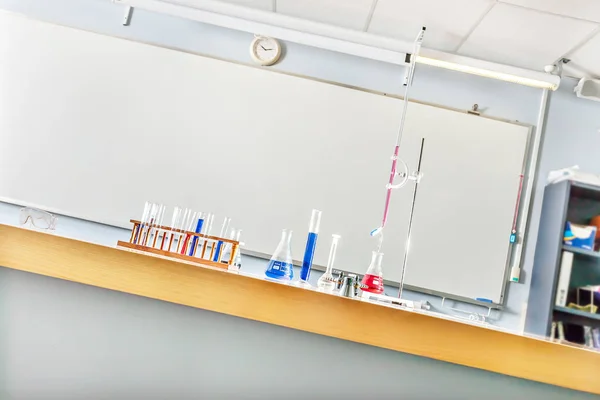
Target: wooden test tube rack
200	249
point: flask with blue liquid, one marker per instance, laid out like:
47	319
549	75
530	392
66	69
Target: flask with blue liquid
311	245
281	265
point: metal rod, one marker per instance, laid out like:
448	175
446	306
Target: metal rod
410	220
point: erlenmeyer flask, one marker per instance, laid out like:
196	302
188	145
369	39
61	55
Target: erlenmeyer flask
280	266
373	279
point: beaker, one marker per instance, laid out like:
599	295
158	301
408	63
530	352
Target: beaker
327	282
373	279
280	265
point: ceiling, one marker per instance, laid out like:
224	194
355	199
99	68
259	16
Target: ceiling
524	33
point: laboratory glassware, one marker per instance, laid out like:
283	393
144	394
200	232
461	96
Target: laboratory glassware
237	257
327	282
373	279
39	219
138	234
224	228
188	226
395	156
156	224
175	222
207	243
149	223
227	248
281	265
199	225
311	245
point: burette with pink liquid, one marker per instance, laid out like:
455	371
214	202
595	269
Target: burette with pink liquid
373	279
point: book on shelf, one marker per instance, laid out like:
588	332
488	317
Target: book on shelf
564	278
596	338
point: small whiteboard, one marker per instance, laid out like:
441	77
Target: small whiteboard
92	126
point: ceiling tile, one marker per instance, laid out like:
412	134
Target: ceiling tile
266	5
523	37
346	13
584	9
447	21
585	61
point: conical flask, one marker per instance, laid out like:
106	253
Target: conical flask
280	265
373	279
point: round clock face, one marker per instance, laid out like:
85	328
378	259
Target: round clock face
265	50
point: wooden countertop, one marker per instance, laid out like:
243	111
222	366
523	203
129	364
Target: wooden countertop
306	310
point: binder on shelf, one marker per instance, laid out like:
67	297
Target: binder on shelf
564	278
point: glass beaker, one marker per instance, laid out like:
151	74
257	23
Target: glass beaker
327	282
373	279
280	265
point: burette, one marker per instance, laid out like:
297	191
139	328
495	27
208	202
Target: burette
395	157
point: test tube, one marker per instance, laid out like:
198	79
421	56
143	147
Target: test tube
311	245
140	228
198	229
150	223
208	222
188	227
237	254
224	228
175	221
158	223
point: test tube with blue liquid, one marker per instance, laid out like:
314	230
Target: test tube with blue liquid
311	245
198	229
223	232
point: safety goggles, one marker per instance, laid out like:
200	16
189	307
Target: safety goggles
37	218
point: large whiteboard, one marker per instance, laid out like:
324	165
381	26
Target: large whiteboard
92	126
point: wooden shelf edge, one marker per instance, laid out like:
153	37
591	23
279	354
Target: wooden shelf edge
260	300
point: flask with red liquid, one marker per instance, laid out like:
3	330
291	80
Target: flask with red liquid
373	279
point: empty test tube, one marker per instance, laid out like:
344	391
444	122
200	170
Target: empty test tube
145	213
224	228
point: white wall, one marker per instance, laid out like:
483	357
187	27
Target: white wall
432	85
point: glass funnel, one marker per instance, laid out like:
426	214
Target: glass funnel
280	265
373	279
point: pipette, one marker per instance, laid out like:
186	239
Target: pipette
395	157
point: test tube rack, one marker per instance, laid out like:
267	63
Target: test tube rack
199	252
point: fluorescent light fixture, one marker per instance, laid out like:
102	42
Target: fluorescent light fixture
487	69
343	40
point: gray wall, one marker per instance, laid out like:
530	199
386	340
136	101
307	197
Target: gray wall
443	87
572	132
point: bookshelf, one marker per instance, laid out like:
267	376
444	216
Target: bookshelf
578	317
582	252
566	201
